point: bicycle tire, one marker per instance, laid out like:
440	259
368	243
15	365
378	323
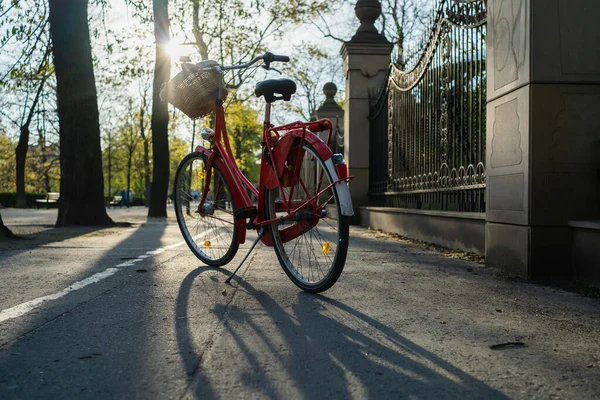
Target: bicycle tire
211	234
335	233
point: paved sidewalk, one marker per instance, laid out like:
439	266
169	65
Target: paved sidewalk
402	322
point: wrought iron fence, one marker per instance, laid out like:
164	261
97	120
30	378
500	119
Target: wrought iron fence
427	128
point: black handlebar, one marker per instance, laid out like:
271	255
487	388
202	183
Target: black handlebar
268	58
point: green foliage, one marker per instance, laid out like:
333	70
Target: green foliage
7	162
178	149
245	134
124	151
41	168
24	41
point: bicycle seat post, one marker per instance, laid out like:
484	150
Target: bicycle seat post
267	115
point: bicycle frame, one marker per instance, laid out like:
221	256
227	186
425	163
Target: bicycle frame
279	148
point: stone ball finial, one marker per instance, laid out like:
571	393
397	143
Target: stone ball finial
367	12
329	89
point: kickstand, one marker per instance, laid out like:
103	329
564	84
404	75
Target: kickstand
261	233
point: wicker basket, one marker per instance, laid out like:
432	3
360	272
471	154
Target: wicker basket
194	90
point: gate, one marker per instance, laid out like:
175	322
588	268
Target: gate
427	123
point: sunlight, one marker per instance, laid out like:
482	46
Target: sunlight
177	51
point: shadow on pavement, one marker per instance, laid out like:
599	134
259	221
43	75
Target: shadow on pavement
48	236
188	351
330	350
92	343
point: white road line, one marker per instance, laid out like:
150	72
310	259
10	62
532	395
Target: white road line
24	308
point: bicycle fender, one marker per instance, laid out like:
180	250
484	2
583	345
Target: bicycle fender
342	189
241	224
322	149
325	153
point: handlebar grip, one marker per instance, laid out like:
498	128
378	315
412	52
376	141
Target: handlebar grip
270	57
281	58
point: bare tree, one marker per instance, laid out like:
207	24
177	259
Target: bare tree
402	22
144	134
130	141
25	37
310	68
23	146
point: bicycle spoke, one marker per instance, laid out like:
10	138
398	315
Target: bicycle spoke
311	254
209	235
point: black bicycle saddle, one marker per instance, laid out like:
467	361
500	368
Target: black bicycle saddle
272	87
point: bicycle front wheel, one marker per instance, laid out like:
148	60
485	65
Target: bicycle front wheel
208	229
312	247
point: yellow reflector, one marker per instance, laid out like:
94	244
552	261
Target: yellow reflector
207	243
326	248
200	175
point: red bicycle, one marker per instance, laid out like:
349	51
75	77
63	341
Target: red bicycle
302	204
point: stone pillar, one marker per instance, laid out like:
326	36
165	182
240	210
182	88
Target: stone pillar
331	110
366	62
543	131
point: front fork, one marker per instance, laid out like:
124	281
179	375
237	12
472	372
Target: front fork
236	197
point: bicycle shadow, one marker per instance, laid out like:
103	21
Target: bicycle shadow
326	348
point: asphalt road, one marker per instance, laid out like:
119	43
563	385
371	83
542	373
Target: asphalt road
129	312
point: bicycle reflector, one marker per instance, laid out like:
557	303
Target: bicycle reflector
326	248
340	165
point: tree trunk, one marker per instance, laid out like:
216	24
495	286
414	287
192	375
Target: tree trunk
146	144
129	160
198	34
81	181
109	164
21	156
4	231
43	160
160	114
23	146
147	180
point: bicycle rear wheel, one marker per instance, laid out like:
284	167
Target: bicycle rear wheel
209	231
312	248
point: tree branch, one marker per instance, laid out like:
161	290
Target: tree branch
328	32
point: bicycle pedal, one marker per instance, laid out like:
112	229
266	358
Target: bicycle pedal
246	212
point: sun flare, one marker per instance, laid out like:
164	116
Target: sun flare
177	52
